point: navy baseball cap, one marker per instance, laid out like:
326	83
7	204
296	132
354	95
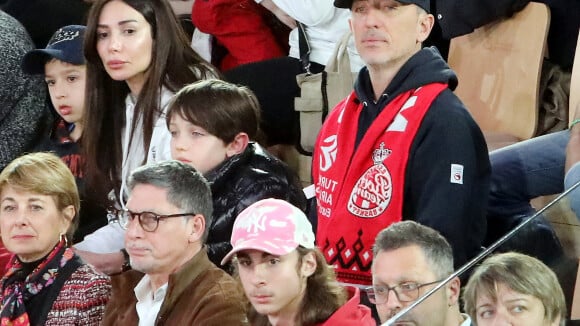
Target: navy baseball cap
66	45
421	3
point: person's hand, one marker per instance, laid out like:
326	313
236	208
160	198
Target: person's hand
109	263
279	13
576	113
575	123
284	18
573	147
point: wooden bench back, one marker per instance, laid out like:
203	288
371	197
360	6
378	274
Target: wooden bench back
499	67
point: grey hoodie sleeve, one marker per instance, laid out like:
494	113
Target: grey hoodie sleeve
23	110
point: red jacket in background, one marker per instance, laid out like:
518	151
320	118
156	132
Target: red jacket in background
4	258
248	31
352	313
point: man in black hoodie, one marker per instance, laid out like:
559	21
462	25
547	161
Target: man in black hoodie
408	150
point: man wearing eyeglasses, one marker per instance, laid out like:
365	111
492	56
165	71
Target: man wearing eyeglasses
173	281
409	260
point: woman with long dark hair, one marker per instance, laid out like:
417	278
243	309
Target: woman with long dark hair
137	58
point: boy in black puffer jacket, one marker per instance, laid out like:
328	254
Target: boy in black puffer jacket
212	125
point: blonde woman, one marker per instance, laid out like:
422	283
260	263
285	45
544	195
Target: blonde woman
45	283
517	289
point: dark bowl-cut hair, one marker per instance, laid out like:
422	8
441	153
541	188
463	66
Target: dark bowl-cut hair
221	108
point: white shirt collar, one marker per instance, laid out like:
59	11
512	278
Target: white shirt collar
467	321
148	302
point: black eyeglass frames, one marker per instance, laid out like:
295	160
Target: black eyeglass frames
149	221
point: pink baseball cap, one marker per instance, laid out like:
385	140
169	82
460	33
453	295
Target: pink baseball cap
273	226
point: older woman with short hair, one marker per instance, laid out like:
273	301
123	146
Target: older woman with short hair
516	288
46	283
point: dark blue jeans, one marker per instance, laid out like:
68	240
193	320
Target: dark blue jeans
572	177
521	172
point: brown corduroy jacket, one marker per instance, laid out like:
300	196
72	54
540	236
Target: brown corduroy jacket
198	294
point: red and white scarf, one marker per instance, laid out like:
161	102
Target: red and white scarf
360	192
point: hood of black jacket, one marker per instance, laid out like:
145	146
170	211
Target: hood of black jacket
424	67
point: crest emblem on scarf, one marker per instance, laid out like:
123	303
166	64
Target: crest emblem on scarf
372	192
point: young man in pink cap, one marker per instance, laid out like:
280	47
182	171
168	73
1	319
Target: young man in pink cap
284	275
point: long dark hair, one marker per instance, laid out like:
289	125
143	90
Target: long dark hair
322	298
173	64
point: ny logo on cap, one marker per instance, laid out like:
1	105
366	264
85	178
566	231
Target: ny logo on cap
255	221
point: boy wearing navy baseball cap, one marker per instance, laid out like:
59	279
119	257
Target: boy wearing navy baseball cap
62	63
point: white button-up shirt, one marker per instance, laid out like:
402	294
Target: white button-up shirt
148	302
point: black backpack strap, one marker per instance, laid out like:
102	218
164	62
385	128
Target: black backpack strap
63	275
304	47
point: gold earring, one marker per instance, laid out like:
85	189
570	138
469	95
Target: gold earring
64	238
